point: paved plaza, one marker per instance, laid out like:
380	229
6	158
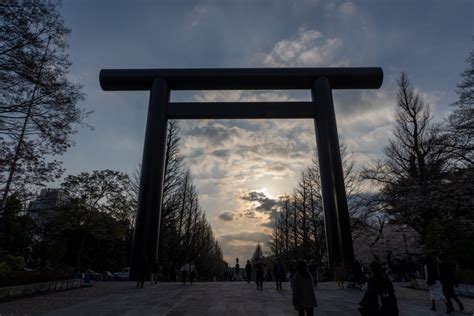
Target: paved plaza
219	298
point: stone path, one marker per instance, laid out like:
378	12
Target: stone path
237	298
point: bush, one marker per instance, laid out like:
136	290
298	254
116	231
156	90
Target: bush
27	277
465	276
11	273
11	263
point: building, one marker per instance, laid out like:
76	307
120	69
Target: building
43	207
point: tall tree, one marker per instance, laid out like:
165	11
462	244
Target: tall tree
461	121
17	228
299	231
38	101
257	254
93	195
415	161
185	233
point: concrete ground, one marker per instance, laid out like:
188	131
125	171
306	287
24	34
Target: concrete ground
207	298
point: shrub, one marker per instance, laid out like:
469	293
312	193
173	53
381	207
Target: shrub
11	263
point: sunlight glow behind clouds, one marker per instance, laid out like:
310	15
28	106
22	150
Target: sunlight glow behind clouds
236	160
229	158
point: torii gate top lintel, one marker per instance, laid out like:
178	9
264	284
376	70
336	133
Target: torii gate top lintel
241	78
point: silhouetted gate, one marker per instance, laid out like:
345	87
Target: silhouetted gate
320	81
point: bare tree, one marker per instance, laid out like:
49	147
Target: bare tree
38	102
415	160
185	233
299	232
460	124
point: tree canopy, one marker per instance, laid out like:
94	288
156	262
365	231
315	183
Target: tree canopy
38	99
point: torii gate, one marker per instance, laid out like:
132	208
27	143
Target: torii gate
320	81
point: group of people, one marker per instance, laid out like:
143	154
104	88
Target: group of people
439	276
189	268
262	273
441	280
147	269
379	299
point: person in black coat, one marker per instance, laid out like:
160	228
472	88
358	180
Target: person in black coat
448	281
379	286
313	270
259	271
279	274
248	271
304	298
154	267
143	271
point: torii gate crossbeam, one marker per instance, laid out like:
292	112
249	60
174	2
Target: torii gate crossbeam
321	82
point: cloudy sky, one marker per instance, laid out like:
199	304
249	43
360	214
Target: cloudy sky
241	166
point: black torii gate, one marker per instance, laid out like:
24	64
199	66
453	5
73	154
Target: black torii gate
320	81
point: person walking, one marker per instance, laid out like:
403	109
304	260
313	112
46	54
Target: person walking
154	267
279	274
357	273
379	286
304	298
339	274
448	280
173	272
248	271
237	270
143	271
293	269
184	272
259	274
192	272
432	276
313	270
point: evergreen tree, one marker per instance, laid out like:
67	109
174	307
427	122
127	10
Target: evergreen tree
258	253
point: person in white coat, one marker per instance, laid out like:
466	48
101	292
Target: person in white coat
192	272
432	277
184	272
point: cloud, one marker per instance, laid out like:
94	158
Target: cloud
234	159
308	48
249	214
265	203
246	236
273	218
241	96
197	14
226	216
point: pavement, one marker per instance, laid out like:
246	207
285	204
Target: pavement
208	298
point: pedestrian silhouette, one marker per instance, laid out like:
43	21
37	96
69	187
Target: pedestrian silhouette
237	270
192	272
379	288
304	298
259	271
248	271
432	276
279	274
143	271
154	267
184	272
448	281
339	274
313	270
